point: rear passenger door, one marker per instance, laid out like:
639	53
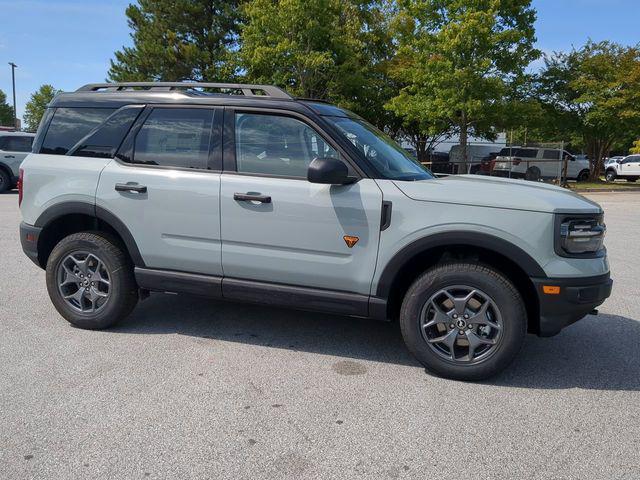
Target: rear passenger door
164	185
293	232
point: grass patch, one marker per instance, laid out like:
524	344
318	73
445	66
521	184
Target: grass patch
602	185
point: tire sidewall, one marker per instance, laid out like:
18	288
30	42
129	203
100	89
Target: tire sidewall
104	317
502	293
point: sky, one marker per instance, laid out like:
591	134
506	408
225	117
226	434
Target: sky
68	43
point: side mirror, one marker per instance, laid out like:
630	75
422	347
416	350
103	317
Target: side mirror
329	171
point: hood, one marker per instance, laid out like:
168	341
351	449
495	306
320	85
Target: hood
496	192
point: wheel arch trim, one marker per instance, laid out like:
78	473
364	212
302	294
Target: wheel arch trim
455	238
63	209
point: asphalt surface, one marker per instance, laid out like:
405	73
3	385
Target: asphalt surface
193	388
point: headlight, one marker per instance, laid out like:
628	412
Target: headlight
582	235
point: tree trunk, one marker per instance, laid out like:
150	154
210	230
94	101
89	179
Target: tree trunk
464	140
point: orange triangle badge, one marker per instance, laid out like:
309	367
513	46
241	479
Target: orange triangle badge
350	240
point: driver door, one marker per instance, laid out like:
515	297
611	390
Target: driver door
277	227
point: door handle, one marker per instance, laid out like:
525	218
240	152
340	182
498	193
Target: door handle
131	187
9	156
251	197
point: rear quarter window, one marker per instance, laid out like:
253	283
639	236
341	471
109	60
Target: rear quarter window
70	125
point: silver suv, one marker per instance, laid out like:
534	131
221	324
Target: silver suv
14	147
242	192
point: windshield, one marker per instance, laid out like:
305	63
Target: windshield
388	158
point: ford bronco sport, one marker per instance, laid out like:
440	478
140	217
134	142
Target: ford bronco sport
242	192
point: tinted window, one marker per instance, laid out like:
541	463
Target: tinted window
16	143
526	153
277	145
551	155
105	141
175	137
69	125
380	150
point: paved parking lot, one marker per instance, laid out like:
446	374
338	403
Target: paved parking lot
193	388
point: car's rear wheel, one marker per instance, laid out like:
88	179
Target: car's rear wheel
533	174
5	181
463	321
631	179
90	280
610	175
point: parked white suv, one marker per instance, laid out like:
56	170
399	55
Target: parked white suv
628	168
14	147
538	163
260	197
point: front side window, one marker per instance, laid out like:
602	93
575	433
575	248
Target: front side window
69	125
175	137
551	154
277	145
388	158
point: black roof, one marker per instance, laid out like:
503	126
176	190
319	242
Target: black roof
116	95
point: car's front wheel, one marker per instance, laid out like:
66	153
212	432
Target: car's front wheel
610	175
583	176
90	280
463	321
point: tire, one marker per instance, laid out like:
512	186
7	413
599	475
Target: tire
507	311
583	176
5	181
532	174
632	179
103	304
610	175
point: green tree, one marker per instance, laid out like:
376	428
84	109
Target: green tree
460	60
6	111
591	96
325	49
36	106
176	40
636	147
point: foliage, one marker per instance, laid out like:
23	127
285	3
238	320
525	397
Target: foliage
459	60
36	106
636	147
591	96
6	111
177	40
325	49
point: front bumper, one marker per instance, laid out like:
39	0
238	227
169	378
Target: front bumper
576	299
29	236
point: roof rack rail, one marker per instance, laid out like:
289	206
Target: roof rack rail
246	89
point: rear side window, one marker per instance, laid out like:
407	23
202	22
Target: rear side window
526	153
69	125
16	143
104	141
175	137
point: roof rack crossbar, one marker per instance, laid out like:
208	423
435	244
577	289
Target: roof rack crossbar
246	89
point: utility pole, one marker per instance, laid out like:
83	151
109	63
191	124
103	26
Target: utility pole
13	81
